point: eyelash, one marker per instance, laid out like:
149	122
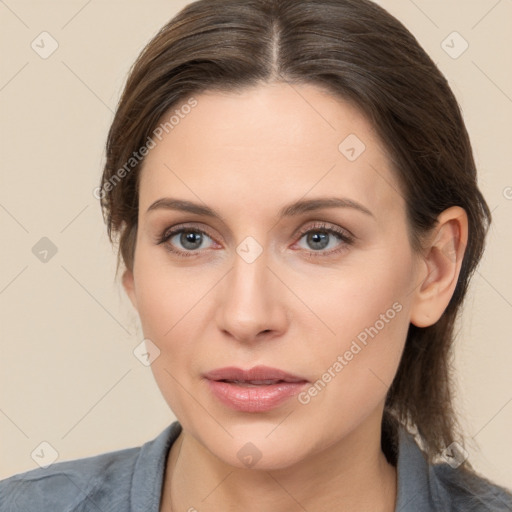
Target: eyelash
343	236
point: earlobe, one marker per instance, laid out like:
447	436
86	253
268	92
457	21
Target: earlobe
129	286
443	259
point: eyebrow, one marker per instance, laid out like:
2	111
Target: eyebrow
290	210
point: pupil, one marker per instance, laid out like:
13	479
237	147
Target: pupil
190	238
319	238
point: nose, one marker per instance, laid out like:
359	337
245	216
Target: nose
251	305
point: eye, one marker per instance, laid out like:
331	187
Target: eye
187	241
323	236
189	238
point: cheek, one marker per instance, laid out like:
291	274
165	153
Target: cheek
166	294
368	311
368	340
369	292
173	306
170	310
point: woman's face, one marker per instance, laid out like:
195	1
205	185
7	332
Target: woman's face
322	293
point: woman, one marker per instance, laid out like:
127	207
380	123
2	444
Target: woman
296	202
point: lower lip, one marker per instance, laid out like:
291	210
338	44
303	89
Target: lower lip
255	398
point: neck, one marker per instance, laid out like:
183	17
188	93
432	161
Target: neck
351	475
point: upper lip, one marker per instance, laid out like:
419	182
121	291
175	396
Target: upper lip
257	373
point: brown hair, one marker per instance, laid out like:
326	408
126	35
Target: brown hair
358	52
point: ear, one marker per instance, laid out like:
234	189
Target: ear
443	260
129	286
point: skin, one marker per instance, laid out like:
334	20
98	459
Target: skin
247	155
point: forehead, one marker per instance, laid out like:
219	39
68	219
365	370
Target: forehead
270	143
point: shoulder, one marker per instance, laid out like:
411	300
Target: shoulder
65	485
427	487
468	492
122	480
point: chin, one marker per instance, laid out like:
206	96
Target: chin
259	445
263	458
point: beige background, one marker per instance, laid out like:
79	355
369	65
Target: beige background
67	372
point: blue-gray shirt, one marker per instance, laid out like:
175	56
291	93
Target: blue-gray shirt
130	480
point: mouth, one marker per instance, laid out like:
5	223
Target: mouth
258	389
259	375
252	383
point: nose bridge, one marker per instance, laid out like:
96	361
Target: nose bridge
249	280
251	302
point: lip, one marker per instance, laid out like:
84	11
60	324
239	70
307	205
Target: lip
257	389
